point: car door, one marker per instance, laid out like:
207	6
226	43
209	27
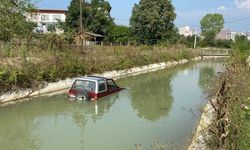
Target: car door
111	85
102	88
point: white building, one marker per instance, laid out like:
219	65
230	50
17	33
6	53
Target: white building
45	17
248	35
241	33
186	31
226	34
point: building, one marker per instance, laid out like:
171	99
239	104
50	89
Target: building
248	35
90	39
241	34
186	31
46	17
226	34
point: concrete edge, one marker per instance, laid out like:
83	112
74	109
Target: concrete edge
248	60
214	57
201	134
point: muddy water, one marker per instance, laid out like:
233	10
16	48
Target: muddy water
156	109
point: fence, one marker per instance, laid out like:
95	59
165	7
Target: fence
213	52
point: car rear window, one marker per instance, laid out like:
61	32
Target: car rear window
84	85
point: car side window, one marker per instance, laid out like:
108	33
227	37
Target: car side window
102	86
84	85
111	84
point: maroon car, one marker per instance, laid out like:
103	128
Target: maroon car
92	88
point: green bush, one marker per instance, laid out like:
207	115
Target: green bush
12	79
241	48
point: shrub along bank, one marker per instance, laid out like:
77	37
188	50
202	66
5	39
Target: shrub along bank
231	125
22	69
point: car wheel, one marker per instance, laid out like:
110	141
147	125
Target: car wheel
83	96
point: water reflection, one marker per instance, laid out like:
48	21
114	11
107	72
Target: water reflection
21	125
206	75
95	109
151	93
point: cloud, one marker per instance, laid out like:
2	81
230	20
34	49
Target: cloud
222	8
243	4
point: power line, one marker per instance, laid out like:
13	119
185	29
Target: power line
228	22
237	20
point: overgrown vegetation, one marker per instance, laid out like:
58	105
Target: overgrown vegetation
50	59
231	127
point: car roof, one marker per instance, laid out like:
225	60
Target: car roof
93	78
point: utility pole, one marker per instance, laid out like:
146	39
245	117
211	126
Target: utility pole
195	38
81	25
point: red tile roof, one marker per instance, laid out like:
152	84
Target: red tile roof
51	11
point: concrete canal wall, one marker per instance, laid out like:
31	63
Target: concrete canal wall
248	60
12	97
214	57
201	134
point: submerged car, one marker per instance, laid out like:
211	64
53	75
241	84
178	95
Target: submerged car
92	88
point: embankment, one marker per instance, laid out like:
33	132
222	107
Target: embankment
201	135
225	117
12	97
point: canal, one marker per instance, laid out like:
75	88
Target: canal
161	108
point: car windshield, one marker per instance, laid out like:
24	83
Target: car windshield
84	85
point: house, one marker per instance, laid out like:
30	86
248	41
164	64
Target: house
89	39
46	17
186	31
226	34
92	38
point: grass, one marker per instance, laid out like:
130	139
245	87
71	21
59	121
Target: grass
231	127
239	110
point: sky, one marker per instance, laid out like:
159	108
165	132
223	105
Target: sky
189	12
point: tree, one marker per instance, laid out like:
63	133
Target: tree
211	24
13	22
150	104
152	21
119	34
99	18
73	16
96	16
